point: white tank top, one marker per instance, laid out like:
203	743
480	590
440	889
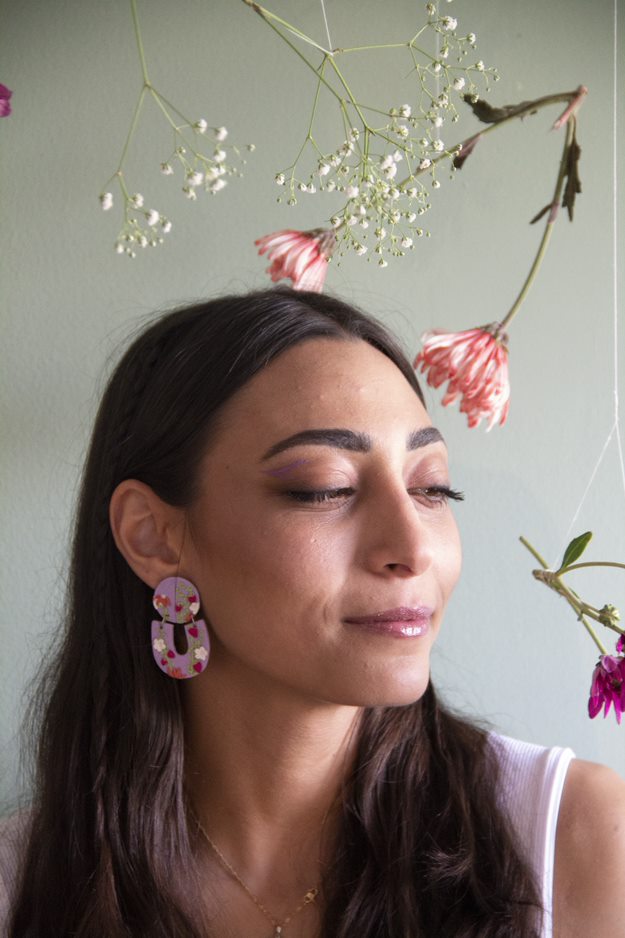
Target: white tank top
532	780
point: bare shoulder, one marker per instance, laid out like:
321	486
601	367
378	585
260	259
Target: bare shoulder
589	878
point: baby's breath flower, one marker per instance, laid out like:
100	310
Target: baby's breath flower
361	249
152	217
449	22
472	38
459	83
405	110
165	225
438	145
195	178
425	163
137	200
106	201
167	169
382	263
218	185
221	133
479	66
351	192
323	169
280	179
201	126
220	156
436	184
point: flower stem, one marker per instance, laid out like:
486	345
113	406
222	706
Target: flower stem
267	15
133	125
135	19
594	563
350	95
593	635
534	552
544	241
553	581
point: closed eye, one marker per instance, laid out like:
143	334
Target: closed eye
437	494
319	495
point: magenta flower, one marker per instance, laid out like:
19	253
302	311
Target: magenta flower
300	256
608	686
5	101
620	645
475	363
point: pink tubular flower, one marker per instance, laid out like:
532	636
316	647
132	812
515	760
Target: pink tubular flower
475	363
5	101
300	256
608	686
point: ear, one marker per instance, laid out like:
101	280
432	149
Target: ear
148	532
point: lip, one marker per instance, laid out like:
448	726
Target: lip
403	621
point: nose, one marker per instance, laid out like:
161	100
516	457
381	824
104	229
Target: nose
397	539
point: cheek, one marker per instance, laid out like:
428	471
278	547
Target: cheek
283	557
449	558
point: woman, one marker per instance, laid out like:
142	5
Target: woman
264	484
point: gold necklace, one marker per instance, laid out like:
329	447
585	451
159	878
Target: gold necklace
277	926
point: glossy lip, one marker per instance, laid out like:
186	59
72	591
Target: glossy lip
403	622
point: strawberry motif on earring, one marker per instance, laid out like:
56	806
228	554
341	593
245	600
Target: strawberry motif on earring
178	602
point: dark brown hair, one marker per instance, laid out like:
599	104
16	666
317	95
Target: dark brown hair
422	848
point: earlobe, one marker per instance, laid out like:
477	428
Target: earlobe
147	531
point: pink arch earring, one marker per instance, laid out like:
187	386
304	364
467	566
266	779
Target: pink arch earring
178	601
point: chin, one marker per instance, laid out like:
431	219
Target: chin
389	693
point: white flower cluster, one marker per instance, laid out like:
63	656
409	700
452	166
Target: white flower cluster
202	171
385	173
142	227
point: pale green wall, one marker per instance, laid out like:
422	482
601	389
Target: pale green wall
511	651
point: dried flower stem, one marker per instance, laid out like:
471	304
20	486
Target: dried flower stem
544	241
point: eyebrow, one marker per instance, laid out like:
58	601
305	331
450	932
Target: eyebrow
350	440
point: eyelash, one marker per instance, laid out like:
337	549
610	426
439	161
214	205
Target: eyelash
436	494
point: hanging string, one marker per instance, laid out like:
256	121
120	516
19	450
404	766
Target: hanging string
615	243
615	430
325	20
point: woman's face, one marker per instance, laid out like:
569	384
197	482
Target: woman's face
322	542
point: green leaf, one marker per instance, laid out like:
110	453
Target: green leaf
575	549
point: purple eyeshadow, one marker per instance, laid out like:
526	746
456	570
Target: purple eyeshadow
283	469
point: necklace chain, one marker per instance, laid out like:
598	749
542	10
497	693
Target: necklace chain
276	924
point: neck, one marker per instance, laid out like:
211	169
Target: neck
264	769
